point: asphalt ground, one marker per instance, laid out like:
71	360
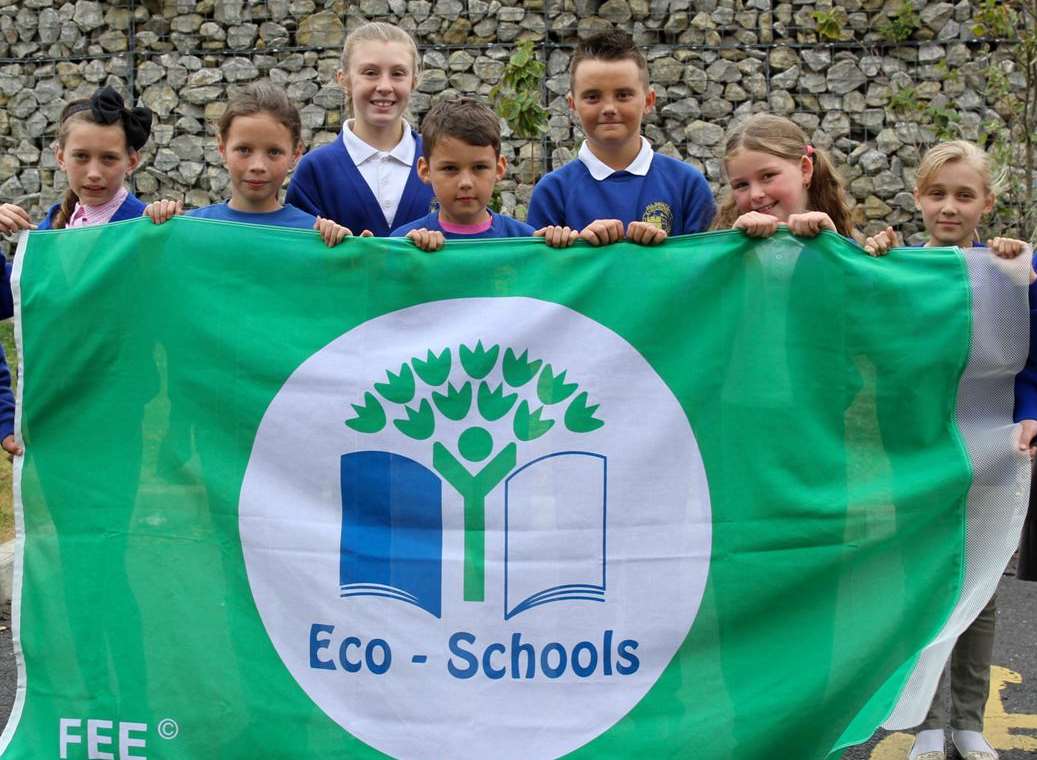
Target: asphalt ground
1011	712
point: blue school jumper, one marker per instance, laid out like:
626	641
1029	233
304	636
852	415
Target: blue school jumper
131	208
672	195
286	216
327	183
500	227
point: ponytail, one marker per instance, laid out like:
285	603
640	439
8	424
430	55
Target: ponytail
827	193
64	212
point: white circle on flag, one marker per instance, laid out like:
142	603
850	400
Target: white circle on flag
596	543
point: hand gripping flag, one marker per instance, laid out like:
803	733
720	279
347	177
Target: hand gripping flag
701	500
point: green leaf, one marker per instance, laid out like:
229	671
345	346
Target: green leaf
579	417
528	426
420	424
518	371
494	404
455	403
435	369
478	363
552	388
370	417
400	388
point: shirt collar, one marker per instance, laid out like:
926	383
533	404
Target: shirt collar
360	151
599	170
83	215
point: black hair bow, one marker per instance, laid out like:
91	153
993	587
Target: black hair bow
107	107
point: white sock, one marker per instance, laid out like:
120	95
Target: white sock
930	740
971	741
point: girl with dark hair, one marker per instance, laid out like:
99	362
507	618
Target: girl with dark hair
259	138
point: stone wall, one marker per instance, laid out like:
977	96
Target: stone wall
868	100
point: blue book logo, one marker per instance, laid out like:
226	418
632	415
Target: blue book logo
392	529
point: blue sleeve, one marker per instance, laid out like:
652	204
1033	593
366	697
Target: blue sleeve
6	296
1026	381
545	205
699	206
301	189
6	398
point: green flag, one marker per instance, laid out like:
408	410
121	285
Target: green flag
704	500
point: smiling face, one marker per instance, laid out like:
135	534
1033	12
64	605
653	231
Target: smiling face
258	151
769	184
462	177
952	204
96	160
611	98
379	81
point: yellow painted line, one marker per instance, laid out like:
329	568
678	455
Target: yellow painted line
999	726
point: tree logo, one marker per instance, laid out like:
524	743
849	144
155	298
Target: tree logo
483	506
418	393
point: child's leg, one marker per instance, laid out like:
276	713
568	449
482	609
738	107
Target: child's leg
930	738
970	670
970	685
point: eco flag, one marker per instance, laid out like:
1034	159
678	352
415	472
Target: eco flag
703	500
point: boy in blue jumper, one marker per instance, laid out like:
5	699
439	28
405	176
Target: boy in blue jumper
617	186
462	162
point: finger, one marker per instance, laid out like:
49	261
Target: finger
542	232
615	228
590	235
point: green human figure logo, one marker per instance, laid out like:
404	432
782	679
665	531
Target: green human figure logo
475	445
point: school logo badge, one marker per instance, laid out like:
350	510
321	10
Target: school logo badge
659	215
476	528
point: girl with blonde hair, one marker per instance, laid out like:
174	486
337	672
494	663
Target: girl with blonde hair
367	178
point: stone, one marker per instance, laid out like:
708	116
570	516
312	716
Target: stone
460	60
716	108
203	77
23	104
872	161
935	15
312	116
186	147
242	37
845	76
433	81
704	133
489	70
930	53
88	15
458	31
723	71
783	58
876	208
816	59
786	80
200	95
616	11
665	70
239	70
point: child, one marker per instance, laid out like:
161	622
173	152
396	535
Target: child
366	180
98	146
777	177
954	190
259	137
617	185
462	163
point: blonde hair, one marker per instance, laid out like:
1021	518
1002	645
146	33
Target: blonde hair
945	153
780	137
380	31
